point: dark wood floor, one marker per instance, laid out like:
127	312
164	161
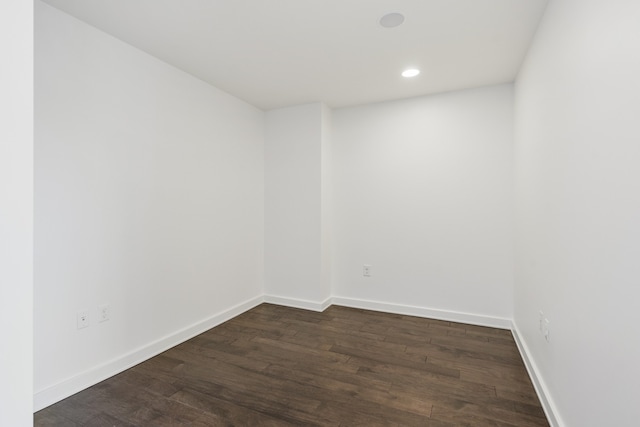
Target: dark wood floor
278	366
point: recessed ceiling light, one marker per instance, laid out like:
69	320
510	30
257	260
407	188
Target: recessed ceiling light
391	20
411	72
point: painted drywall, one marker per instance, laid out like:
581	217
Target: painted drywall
148	197
578	209
326	202
422	192
16	212
295	139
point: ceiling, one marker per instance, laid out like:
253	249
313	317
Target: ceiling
276	53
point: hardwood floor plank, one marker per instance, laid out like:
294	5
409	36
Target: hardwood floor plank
51	417
486	415
279	366
219	410
414	363
105	420
425	383
521	392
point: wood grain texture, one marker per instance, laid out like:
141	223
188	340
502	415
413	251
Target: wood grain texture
279	366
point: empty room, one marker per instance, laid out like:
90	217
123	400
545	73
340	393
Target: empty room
320	212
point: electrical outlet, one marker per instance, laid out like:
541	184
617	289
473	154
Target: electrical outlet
366	270
104	312
545	329
540	320
82	319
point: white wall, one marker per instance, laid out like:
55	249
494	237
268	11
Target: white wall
148	196
296	237
423	193
578	208
326	202
16	212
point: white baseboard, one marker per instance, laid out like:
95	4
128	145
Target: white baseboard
451	316
79	382
548	405
298	303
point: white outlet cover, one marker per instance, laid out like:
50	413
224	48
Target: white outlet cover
546	329
104	311
366	270
82	319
